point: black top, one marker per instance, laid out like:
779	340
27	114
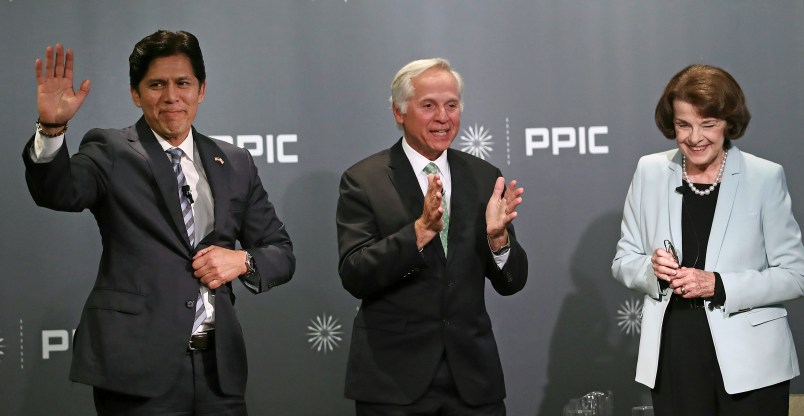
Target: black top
697	213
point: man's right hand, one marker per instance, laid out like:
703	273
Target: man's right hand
429	223
56	100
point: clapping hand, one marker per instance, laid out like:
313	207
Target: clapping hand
500	211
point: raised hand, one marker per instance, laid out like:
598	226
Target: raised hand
500	211
429	223
56	100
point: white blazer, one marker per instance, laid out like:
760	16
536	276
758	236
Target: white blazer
755	245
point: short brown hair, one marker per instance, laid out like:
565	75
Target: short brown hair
713	92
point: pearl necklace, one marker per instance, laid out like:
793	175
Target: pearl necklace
718	178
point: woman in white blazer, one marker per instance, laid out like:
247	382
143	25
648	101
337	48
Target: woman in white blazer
708	235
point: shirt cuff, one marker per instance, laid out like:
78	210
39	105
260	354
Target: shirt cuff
44	149
501	259
252	282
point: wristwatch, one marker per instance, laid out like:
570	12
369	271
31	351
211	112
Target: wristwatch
504	249
250	264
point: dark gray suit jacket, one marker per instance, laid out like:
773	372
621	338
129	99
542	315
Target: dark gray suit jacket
137	319
418	306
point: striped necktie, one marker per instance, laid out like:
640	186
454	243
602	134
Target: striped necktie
175	155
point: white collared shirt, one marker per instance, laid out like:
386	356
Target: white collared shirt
419	162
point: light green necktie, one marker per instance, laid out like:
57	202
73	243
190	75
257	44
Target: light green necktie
433	168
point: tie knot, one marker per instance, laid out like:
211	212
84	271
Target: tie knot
174	153
431	168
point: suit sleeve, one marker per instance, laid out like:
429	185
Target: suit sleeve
71	183
264	236
631	265
783	279
513	276
370	262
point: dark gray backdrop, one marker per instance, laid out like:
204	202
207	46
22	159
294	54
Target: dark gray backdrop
313	75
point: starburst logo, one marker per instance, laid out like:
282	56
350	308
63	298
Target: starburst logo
477	141
2	347
629	317
324	333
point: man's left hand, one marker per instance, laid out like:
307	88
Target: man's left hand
500	211
215	266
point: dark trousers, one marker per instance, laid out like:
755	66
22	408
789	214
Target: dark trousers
689	382
440	399
195	393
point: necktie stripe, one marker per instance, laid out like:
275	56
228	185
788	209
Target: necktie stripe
200	313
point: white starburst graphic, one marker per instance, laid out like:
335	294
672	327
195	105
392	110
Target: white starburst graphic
477	141
629	317
2	347
324	333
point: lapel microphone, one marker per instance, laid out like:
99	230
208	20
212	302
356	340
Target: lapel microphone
187	193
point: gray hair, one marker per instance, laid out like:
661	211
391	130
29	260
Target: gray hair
402	85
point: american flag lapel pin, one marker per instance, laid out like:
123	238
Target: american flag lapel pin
219	159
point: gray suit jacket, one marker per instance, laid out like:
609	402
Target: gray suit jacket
755	245
137	319
417	307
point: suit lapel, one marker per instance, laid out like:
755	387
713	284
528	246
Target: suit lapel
675	201
216	168
163	175
404	180
725	202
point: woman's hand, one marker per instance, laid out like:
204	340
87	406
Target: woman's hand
693	283
665	266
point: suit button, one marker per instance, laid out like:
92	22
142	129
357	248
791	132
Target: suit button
189	303
445	322
450	283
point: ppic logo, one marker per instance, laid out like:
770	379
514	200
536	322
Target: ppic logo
14	348
55	340
558	138
273	148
